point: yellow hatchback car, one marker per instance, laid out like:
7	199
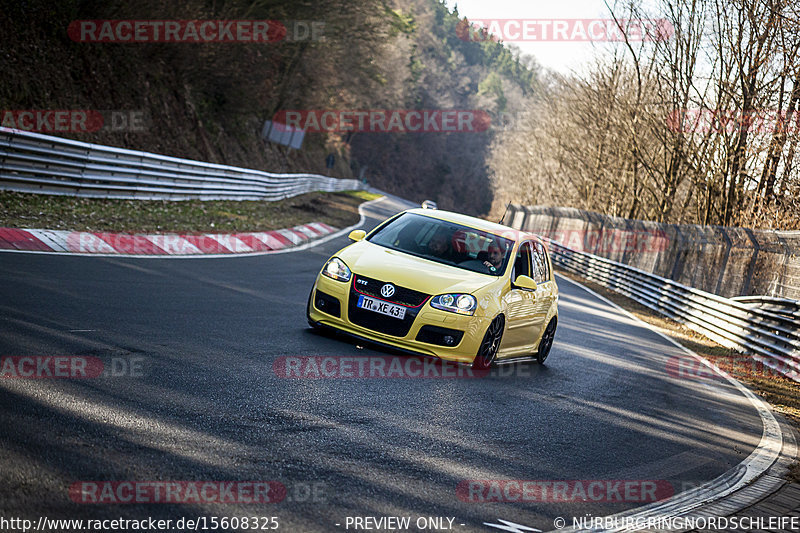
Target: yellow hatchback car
442	284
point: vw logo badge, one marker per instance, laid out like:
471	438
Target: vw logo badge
387	291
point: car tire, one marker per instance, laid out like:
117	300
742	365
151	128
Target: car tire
487	352
547	341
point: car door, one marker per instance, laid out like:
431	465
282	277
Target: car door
522	325
545	286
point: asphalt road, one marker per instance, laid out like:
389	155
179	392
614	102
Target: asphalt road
194	341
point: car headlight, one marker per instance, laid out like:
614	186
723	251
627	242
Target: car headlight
336	269
463	304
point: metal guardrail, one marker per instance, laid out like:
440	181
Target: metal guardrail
761	326
782	306
32	162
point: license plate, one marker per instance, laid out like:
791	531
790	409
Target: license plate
384	308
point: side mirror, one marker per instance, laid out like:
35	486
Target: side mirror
524	282
357	235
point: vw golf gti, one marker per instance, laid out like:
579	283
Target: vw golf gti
442	284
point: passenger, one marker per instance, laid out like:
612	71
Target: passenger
495	255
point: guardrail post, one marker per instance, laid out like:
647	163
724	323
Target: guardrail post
725	257
552	213
677	267
516	219
524	225
752	266
600	230
630	231
787	252
510	210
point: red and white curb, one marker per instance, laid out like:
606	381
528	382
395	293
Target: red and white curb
102	243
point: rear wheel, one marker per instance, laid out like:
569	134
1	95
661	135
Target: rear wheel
547	341
487	353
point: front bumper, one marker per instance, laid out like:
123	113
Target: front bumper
473	327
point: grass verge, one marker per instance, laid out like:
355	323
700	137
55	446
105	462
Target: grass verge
782	393
23	210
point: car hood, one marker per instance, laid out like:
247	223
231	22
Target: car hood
405	270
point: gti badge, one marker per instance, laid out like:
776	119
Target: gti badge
387	291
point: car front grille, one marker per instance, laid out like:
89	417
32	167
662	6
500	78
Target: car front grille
412	300
403	296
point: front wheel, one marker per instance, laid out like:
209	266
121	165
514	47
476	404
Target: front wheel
487	352
547	341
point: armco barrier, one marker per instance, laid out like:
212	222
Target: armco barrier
768	328
31	162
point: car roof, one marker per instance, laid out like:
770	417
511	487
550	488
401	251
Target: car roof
475	223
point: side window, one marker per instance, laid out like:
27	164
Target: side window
546	262
522	263
541	272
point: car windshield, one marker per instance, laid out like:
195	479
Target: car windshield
446	242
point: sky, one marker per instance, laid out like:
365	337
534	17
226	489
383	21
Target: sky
559	55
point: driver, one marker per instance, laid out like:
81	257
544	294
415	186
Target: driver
440	246
439	243
406	238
